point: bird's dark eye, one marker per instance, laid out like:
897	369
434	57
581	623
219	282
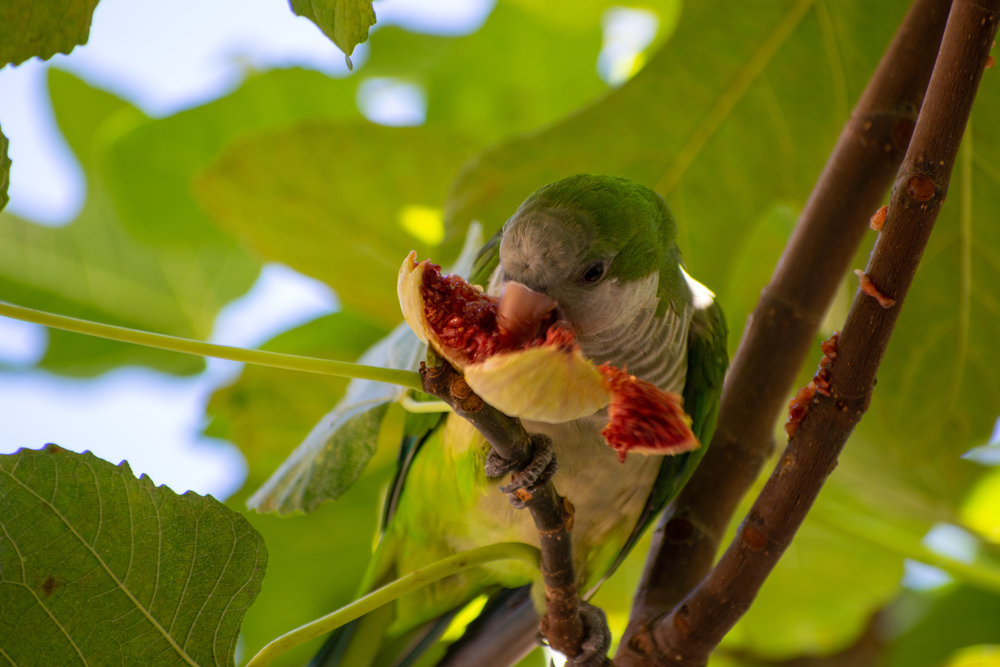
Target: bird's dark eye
594	272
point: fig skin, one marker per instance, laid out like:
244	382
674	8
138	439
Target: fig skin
546	379
546	383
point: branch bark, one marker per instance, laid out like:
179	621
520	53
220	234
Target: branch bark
783	326
552	514
688	635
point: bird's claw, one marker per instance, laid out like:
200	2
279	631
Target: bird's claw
524	484
596	638
497	466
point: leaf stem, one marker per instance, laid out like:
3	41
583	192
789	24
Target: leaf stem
390	592
187	346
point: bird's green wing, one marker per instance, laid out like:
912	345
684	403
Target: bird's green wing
706	368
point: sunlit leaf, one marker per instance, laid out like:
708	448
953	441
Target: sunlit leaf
95	269
42	29
314	564
325	198
268	411
149	165
100	567
4	170
516	74
339	447
346	22
935	628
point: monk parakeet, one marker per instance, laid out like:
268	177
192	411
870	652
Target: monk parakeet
599	253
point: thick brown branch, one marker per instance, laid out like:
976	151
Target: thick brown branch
784	324
690	633
552	514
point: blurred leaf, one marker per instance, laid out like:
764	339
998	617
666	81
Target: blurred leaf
938	388
149	166
981	510
515	74
42	29
268	411
960	617
735	115
826	586
339	447
4	170
983	655
345	22
95	269
314	565
589	12
362	425
326	199
99	566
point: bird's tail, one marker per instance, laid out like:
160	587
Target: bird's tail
503	633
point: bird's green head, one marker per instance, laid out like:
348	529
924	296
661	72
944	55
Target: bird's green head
601	247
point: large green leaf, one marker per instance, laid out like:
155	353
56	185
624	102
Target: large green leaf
327	198
938	391
268	411
339	447
5	165
149	165
100	568
734	116
732	121
43	29
363	425
314	564
345	22
514	75
934	628
95	269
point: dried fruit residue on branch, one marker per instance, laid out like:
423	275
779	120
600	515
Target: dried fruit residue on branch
544	377
878	219
868	287
798	407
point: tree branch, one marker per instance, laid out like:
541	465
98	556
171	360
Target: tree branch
781	329
552	514
689	634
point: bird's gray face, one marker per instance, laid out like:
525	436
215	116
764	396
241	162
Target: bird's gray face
548	270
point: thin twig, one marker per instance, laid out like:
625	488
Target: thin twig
552	514
785	322
689	634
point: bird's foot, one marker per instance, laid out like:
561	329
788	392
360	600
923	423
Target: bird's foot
596	638
524	484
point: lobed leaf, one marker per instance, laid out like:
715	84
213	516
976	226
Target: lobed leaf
5	165
95	269
345	22
150	164
339	447
339	190
267	411
100	568
42	29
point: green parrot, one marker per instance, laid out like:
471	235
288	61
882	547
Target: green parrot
599	252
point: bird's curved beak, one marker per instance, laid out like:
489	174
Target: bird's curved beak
522	311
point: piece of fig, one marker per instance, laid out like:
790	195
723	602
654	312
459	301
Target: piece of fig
548	382
644	419
546	379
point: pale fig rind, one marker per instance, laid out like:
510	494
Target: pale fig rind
409	290
548	383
